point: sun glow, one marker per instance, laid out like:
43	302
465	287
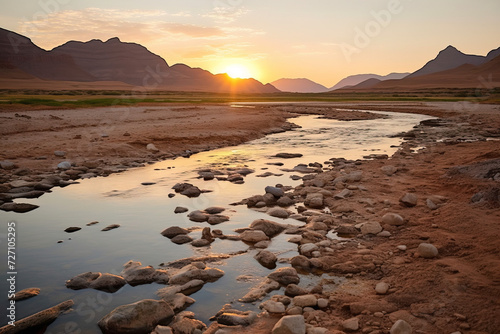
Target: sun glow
238	71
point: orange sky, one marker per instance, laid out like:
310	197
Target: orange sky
323	40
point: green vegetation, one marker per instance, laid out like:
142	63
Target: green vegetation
92	98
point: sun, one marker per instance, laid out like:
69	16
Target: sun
238	71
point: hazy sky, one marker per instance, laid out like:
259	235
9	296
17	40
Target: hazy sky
323	40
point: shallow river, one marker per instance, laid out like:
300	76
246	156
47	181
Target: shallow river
144	211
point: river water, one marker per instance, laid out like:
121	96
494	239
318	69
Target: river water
144	211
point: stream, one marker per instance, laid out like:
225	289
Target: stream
144	211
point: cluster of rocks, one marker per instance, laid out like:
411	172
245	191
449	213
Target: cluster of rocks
235	175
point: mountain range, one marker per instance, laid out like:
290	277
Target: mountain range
116	65
110	63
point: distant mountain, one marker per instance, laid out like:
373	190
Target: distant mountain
365	84
353	80
112	61
486	76
446	60
300	85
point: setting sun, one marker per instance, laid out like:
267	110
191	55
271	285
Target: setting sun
238	71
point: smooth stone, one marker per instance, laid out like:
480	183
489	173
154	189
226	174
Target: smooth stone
381	288
18	207
384	234
198	216
181	239
213	210
7	165
392	219
371	228
288	155
272	306
173	231
180	209
307	249
290	324
351	324
401	327
64	165
200	243
293	290
140	317
151	147
266	258
275	191
278	213
427	251
270	228
217	219
285	276
305	300
409	200
72	229
323	303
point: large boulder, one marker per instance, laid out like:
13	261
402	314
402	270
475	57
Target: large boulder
266	258
137	318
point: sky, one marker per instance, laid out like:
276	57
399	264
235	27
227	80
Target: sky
322	40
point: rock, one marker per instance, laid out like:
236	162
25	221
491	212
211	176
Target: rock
162	330
285	276
307	249
275	191
272	306
18	207
322	303
151	147
288	155
198	216
392	219
427	251
290	324
384	234
409	200
236	319
305	301
260	291
267	259
180	209
181	239
285	201
346	230
95	280
270	228
200	243
381	288
190	287
173	231
431	205
33	323
371	228
108	282
207	176
314	200
72	229
235	177
140	317
64	165
61	154
278	213
401	327
263	244
191	192
389	170
184	323
253	236
136	274
294	310
293	290
110	227
207	234
351	325
213	210
7	165
217	219
192	272
402	247
300	261
343	194
26	293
